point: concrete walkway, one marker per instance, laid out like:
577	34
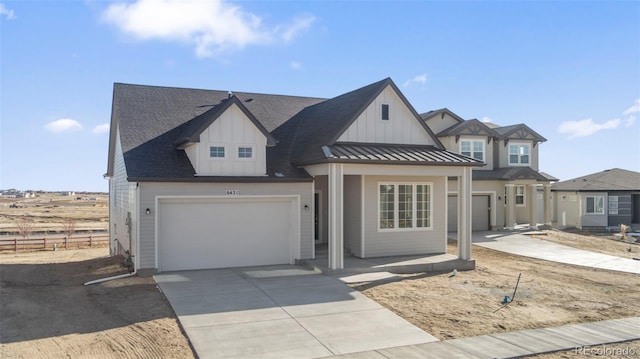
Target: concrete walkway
280	312
523	245
583	339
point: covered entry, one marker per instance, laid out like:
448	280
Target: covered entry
199	233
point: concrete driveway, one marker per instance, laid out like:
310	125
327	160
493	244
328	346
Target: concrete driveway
523	245
280	312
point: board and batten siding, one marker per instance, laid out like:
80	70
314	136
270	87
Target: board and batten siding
121	205
402	127
387	243
232	130
150	190
353	214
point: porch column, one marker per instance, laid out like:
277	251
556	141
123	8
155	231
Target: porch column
511	205
547	205
464	215
336	226
533	206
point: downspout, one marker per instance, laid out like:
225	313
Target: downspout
112	278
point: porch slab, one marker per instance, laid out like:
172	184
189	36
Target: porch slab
358	270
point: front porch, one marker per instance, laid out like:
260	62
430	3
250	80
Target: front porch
379	268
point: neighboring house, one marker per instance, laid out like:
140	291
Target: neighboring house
210	179
505	190
599	200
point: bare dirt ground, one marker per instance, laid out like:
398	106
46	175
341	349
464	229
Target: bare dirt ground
549	294
47	312
50	210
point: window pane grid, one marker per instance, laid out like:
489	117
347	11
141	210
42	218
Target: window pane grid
245	152
387	206
405	206
216	151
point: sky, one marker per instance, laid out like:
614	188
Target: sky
570	70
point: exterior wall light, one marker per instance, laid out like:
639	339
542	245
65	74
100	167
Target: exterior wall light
148	211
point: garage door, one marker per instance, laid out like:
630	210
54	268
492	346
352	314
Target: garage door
220	233
479	208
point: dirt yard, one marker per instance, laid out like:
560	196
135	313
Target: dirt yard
549	294
47	312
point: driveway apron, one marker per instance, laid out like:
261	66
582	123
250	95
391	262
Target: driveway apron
280	312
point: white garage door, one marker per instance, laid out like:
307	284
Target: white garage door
480	213
220	233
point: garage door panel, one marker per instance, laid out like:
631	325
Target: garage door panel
479	209
201	234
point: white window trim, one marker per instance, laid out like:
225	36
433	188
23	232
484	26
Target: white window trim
604	204
472	141
414	208
519	144
226	153
613	205
253	153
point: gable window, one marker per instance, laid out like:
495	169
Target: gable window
519	154
472	148
216	151
385	112
404	206
595	205
519	195
245	152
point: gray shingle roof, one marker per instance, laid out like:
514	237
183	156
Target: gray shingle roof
511	174
433	113
385	153
153	121
470	127
508	132
614	179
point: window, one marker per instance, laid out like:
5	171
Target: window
613	204
519	154
385	112
216	151
519	195
595	205
404	206
245	152
472	148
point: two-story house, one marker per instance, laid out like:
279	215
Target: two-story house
506	190
210	179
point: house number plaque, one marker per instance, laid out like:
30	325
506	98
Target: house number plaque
233	192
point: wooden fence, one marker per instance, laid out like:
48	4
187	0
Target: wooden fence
39	243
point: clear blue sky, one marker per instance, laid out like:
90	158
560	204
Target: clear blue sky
569	70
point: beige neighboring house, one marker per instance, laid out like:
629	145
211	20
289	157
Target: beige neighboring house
509	189
598	201
212	179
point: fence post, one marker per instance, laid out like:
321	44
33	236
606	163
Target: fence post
90	243
15	244
45	242
65	242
